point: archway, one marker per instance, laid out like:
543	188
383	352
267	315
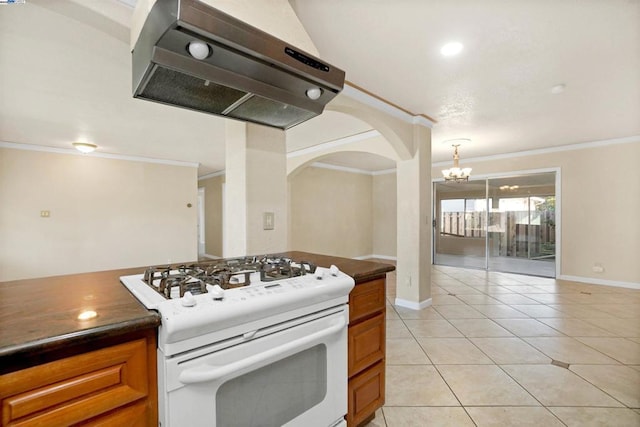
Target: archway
337	207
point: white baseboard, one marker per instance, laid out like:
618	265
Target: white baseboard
365	257
603	282
210	256
412	304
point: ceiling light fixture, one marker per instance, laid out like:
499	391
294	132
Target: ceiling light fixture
455	174
452	48
509	187
85	147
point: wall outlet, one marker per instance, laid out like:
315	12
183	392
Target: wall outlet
597	268
45	214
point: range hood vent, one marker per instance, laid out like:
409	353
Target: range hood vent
244	73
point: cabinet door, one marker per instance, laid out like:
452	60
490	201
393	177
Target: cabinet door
366	343
366	394
77	388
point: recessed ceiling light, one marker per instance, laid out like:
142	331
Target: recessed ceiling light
558	89
452	48
84	147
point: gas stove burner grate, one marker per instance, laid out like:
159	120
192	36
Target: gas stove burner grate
284	268
173	281
168	284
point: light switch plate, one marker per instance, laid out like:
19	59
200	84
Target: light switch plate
268	219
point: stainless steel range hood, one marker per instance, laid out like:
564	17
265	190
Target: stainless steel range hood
244	73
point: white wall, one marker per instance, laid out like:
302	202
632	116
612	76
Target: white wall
104	214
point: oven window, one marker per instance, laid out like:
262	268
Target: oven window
274	394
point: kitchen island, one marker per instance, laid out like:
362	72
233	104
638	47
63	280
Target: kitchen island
55	364
59	368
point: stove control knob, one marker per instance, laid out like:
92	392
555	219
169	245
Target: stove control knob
217	293
319	274
334	270
188	300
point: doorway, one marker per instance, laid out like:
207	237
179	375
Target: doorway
505	223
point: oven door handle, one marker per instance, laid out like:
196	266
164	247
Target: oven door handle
207	373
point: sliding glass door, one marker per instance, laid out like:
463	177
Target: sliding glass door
460	220
502	224
521	231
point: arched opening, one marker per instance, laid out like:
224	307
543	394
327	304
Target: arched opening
344	204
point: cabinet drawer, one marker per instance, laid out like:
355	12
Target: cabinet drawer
366	394
366	298
366	343
77	388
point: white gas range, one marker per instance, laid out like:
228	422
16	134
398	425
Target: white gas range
249	342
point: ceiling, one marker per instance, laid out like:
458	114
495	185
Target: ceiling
66	76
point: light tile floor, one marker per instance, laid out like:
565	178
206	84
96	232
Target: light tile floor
481	354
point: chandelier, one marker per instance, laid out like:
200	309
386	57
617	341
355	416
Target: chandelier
455	174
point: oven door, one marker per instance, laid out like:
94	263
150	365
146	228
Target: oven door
292	374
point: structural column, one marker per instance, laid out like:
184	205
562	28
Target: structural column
255	195
413	278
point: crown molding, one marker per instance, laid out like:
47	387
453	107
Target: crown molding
372	100
333	144
548	150
341	168
74	152
352	170
384	172
212	175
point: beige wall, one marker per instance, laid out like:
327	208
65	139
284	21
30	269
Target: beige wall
104	214
213	214
600	197
331	212
384	215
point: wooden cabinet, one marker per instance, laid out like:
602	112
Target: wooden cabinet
366	350
115	385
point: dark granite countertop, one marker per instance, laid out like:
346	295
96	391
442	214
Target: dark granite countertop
360	270
39	317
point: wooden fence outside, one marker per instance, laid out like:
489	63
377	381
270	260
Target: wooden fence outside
510	237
